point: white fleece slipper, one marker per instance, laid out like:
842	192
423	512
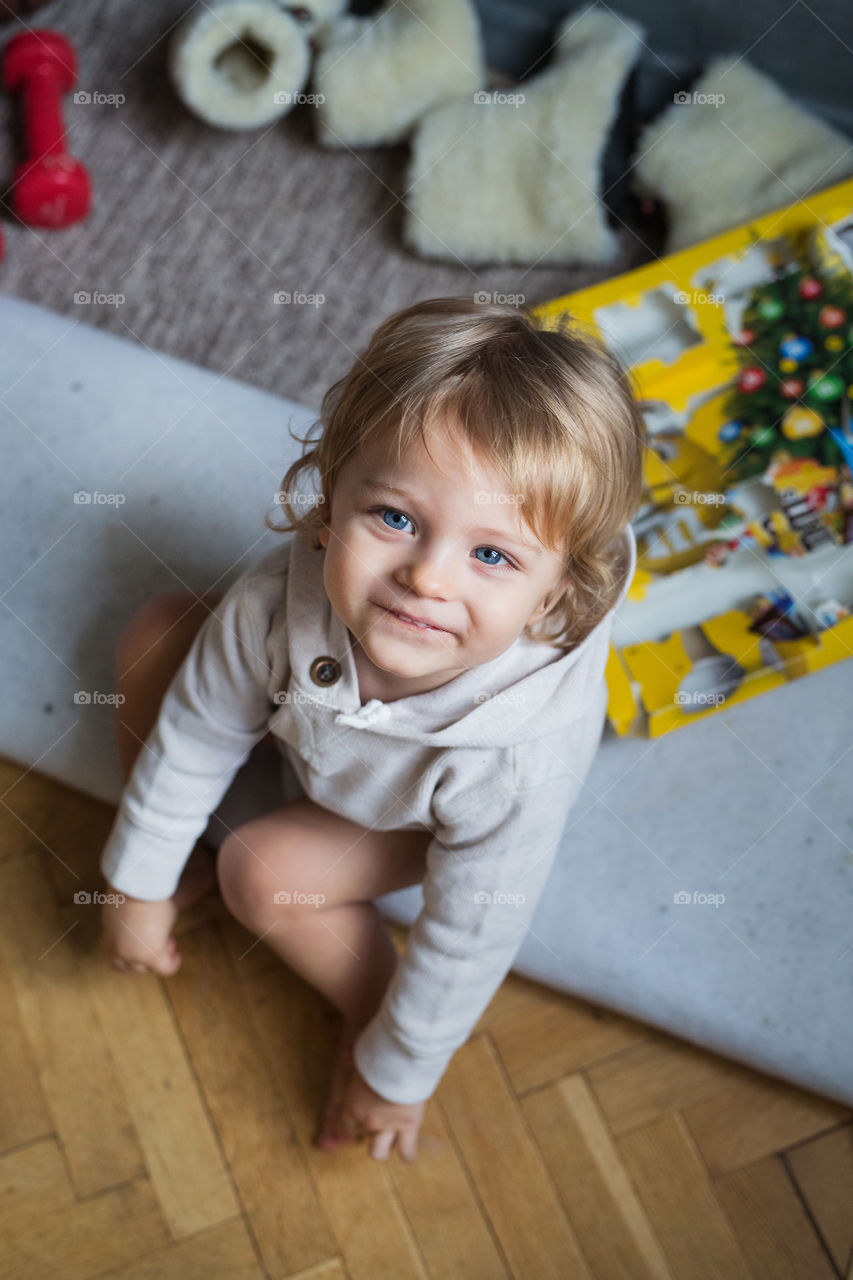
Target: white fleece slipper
716	163
514	176
241	64
378	75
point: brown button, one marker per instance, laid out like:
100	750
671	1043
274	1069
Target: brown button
325	670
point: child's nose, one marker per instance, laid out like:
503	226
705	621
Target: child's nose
430	575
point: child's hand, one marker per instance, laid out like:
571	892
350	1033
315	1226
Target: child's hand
366	1113
137	936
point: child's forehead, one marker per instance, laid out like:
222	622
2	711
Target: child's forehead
442	451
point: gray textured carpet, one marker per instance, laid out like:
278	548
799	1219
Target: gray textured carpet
198	228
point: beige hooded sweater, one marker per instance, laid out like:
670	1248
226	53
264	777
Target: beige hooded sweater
491	762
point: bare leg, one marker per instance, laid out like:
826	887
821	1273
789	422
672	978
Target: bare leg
328	1135
348	954
149	653
345	952
343	947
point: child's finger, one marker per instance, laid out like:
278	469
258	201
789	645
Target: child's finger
126	966
328	1135
171	964
407	1144
382	1144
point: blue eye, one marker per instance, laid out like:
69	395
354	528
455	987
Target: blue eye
491	564
396	513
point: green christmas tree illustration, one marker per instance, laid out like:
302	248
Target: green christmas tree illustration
794	383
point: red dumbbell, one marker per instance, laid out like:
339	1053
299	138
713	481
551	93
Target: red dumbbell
51	188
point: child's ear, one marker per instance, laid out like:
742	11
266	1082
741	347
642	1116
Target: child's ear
539	612
550	600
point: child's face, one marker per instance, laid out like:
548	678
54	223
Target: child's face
452	551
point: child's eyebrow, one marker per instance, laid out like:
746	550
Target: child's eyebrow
501	534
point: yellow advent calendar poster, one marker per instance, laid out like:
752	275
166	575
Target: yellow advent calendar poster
741	353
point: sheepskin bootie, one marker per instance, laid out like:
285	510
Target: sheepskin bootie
376	76
242	64
734	147
513	176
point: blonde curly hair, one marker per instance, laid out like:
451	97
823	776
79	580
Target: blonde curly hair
550	408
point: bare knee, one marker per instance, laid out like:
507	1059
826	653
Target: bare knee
170	616
252	891
230	872
151	620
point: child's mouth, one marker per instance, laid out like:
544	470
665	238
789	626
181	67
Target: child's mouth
409	622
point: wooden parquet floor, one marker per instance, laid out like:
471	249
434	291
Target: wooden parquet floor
159	1129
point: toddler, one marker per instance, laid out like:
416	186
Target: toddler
427	653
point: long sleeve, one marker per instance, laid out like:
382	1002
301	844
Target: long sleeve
486	870
214	711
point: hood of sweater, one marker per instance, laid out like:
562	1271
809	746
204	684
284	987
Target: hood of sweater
530	690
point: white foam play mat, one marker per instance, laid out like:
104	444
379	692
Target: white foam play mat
705	880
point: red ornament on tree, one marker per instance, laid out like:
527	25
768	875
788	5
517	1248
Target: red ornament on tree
810	288
831	317
791	388
751	378
745	338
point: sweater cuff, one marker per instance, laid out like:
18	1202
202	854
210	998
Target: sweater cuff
145	866
393	1070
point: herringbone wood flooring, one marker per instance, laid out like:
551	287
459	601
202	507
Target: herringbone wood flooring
159	1129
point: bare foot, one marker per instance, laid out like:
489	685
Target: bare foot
197	878
329	1137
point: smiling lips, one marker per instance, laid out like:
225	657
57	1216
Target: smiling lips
421	623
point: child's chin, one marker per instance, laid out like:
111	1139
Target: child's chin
400	659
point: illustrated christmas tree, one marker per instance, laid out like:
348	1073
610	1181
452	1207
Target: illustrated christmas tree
794	388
